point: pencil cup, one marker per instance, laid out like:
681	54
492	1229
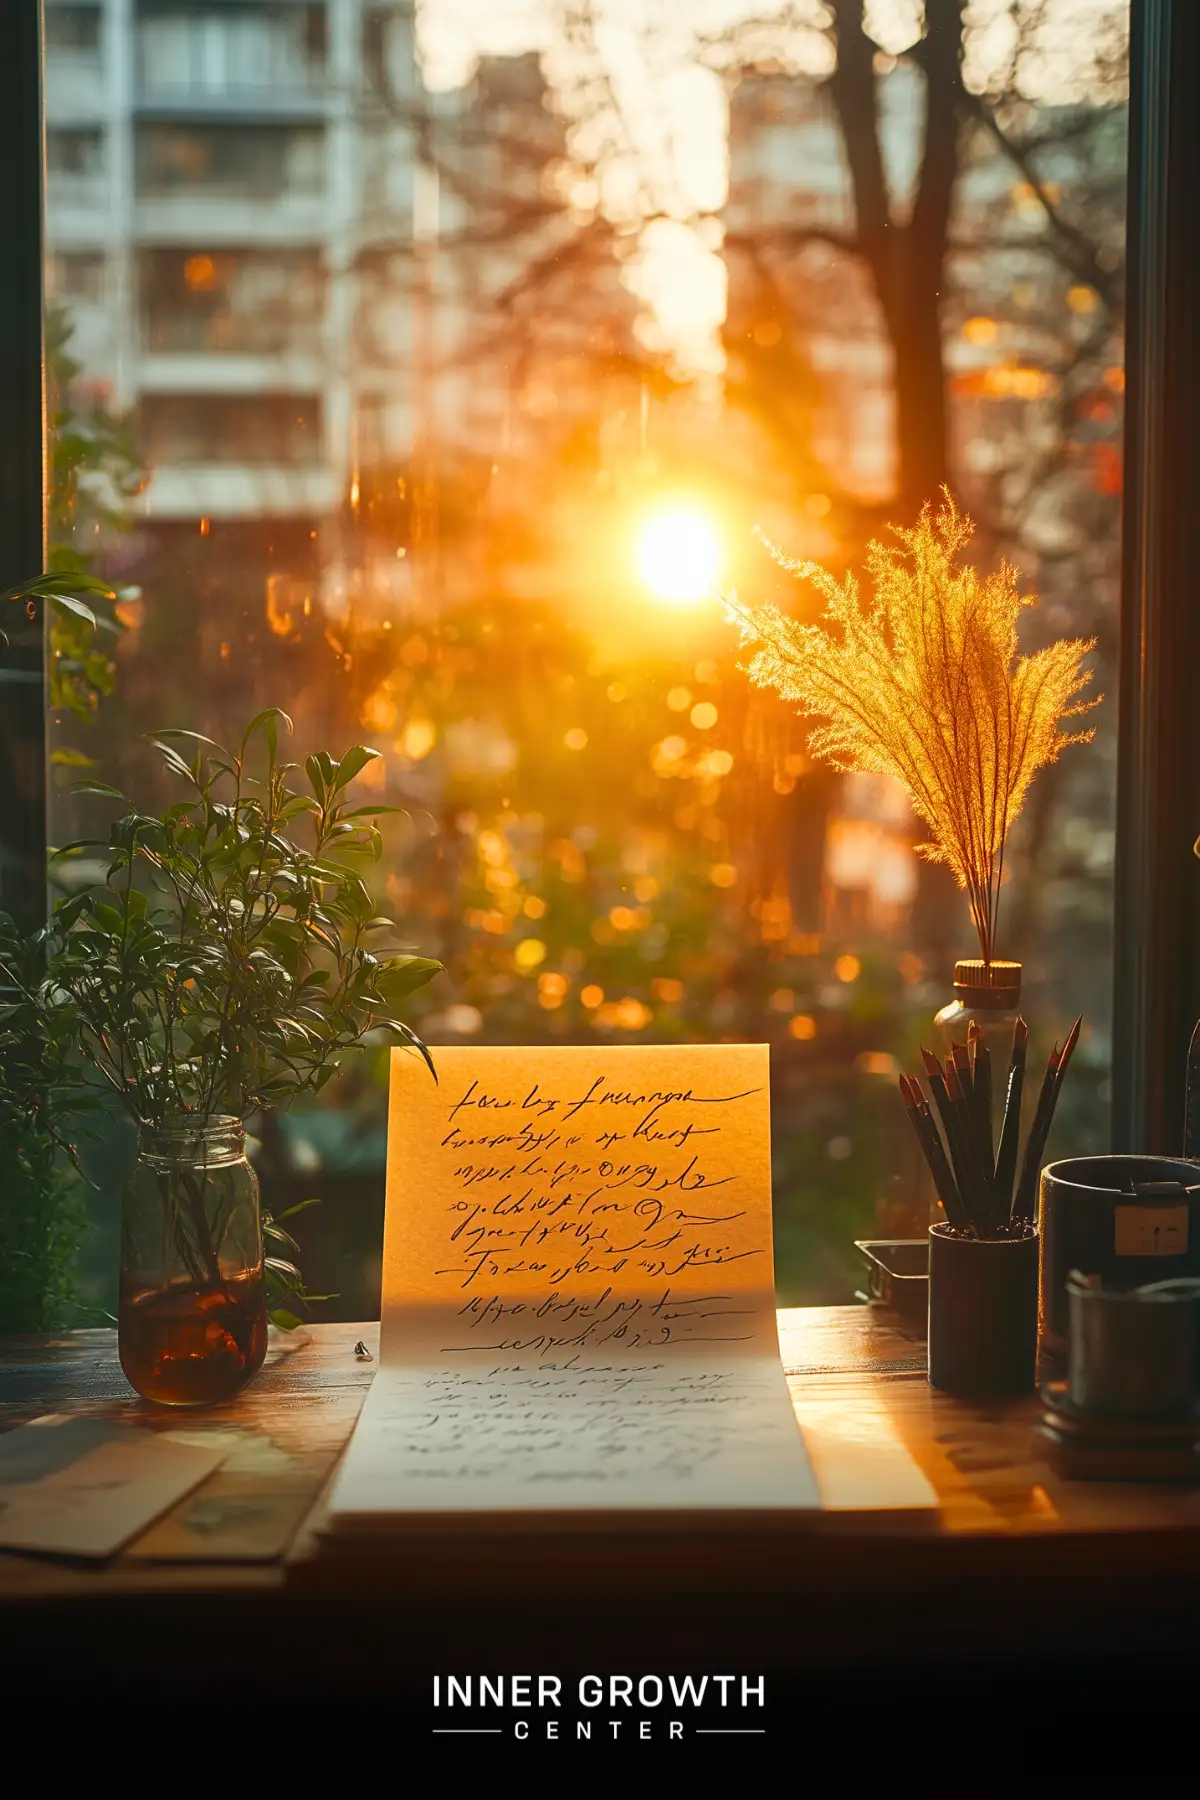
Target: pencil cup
983	1295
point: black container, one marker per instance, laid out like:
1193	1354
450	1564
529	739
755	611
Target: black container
1092	1218
898	1276
983	1297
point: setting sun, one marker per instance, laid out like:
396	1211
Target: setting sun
679	554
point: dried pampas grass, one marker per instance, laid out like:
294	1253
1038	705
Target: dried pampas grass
924	683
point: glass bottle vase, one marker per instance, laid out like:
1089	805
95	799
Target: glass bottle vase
192	1315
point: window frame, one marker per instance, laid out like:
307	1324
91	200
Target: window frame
1156	972
24	749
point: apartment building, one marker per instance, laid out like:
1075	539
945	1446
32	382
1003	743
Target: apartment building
216	170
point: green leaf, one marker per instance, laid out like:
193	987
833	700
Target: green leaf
279	1267
195	737
352	764
97	787
267	722
410	1038
77	580
174	761
273	1230
403	975
291	1211
283	1320
70	604
297	804
316	775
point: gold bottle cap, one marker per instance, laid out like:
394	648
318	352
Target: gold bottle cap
994	986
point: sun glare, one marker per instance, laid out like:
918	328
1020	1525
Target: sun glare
679	554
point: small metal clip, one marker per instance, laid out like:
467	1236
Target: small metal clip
362	1353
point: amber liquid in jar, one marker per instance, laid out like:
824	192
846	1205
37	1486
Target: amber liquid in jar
188	1346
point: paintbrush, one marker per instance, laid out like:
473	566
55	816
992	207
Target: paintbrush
1010	1131
981	1092
923	1124
974	1188
1025	1198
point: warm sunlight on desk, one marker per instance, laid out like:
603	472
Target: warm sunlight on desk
679	554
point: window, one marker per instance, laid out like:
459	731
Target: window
232	301
75	275
71	29
230	428
226	49
247	161
74	150
548	353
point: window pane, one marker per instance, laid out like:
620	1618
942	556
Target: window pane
427	386
74	151
71	29
253	161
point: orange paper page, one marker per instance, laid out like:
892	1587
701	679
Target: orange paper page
578	1295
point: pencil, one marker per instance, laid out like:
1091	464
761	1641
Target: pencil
1024	1199
1010	1131
981	1084
962	1065
1067	1052
941	1100
927	1136
975	1191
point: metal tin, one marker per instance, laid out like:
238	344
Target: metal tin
1132	1353
1100	1215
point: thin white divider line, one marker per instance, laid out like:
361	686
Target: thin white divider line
466	1731
730	1731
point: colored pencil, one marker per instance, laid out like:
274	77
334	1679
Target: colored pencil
1010	1131
1025	1198
926	1130
1067	1052
976	1190
962	1065
941	1100
979	1194
981	1085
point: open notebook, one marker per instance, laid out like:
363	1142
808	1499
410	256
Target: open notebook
578	1300
579	1328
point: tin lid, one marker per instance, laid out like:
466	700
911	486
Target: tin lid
995	985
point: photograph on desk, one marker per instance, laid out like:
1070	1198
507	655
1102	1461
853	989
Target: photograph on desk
599	1078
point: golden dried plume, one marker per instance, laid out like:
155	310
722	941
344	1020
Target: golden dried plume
925	684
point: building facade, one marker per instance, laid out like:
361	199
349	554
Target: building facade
215	172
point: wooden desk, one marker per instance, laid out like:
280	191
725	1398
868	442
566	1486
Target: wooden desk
1018	1565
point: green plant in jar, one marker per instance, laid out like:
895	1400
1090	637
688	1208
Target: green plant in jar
229	960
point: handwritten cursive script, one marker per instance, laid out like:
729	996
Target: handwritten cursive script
578	1305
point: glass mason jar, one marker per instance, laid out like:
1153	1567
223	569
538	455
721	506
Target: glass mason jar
192	1316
